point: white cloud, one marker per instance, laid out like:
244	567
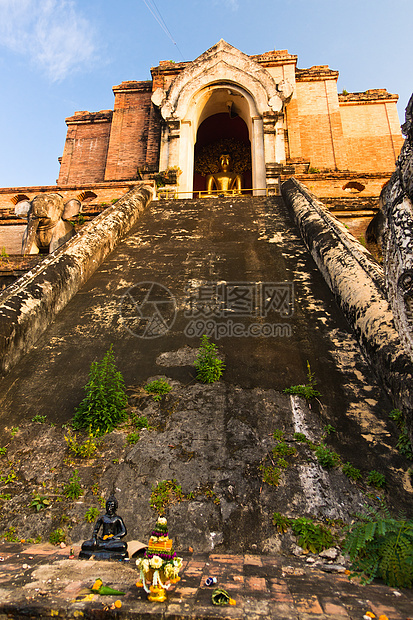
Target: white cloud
231	4
51	33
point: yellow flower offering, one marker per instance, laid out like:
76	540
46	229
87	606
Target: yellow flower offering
98	583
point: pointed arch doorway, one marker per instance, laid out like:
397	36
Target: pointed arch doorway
222	126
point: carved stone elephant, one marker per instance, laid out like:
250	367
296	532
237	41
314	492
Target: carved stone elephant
46	226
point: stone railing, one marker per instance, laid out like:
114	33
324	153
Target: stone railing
397	242
29	306
359	286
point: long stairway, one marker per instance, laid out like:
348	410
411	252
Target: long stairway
236	269
190	243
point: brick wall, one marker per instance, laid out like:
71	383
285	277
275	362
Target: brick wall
131	126
333	185
85	151
356	131
372	134
319	123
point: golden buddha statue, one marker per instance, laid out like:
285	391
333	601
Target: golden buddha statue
225	181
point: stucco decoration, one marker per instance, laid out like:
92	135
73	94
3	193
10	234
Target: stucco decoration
397	205
47	228
222	65
158	97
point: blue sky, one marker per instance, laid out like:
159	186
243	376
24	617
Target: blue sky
59	56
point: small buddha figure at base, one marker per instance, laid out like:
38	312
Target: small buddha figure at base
225	181
109	545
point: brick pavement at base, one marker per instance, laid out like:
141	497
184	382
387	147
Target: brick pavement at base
274	587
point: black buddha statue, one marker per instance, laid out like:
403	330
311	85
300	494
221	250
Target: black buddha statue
108	546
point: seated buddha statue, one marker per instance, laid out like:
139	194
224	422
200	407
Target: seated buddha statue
225	181
109	545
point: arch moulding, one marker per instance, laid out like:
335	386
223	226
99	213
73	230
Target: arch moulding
220	78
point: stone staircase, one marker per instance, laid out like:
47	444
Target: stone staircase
190	267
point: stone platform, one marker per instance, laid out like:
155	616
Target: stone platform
40	581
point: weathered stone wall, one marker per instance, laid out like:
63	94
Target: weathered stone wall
397	244
359	286
30	305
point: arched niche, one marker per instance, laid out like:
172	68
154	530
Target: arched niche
178	142
222	125
220	76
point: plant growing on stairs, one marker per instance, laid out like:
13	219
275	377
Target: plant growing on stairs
381	547
209	367
158	388
104	406
308	391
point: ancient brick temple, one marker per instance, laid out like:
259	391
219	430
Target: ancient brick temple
292	119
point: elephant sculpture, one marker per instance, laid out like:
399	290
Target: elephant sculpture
46	226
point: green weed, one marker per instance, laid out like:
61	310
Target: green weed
73	490
104	406
270	474
40	502
311	536
165	493
376	479
381	547
328	429
326	457
6	479
92	514
57	536
39	419
158	388
209	367
403	445
351	472
11	535
139	421
300	437
85	450
283	449
133	438
281	522
308	390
